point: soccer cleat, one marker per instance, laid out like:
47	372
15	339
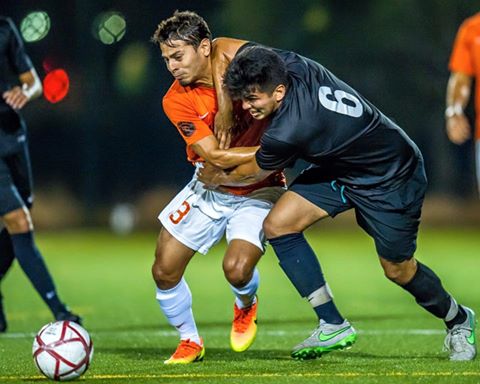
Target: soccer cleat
68	316
244	327
325	338
460	340
187	352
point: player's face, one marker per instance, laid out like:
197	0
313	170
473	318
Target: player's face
261	104
187	64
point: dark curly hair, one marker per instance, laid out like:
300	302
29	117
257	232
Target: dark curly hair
255	68
183	25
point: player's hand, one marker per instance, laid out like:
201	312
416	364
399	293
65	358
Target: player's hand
222	129
210	175
458	129
15	98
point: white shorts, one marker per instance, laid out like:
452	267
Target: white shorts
198	217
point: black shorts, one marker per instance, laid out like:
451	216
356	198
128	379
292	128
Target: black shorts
390	217
15	180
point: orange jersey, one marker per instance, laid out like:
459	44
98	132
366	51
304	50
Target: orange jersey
192	110
465	58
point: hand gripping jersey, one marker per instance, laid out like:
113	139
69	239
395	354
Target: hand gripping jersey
465	58
326	122
192	110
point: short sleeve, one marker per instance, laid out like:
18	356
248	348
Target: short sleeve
183	115
275	155
17	55
461	59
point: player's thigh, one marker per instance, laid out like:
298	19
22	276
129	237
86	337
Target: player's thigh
394	232
246	223
309	199
21	172
171	256
10	198
187	222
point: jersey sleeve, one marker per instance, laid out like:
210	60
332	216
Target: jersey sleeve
184	116
461	59
275	155
17	55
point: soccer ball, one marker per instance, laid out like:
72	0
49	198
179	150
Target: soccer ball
62	350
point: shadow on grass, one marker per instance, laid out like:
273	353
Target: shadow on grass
219	355
212	354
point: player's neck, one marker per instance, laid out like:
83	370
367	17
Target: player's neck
206	79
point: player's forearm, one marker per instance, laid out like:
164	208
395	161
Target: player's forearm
232	157
458	94
243	175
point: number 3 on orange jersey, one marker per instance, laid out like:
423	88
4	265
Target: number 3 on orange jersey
180	213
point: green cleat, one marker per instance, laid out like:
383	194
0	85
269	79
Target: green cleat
325	338
460	340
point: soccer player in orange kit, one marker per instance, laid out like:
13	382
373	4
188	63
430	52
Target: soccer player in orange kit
197	218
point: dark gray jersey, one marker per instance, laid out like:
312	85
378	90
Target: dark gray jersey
13	58
326	122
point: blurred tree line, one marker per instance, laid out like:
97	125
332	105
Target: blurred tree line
105	144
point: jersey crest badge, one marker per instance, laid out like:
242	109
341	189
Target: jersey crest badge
187	128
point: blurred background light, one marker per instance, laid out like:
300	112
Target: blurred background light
131	68
109	27
122	218
35	26
316	19
56	85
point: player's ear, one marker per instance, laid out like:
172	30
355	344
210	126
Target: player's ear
205	47
279	92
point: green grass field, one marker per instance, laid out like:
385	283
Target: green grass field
107	280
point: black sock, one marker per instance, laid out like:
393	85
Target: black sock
301	266
33	265
429	293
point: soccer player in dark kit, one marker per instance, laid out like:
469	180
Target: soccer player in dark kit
360	160
16	238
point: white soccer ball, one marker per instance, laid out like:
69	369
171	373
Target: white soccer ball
62	350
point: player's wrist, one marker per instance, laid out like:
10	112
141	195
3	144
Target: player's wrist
28	91
453	110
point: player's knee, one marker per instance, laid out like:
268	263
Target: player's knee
164	278
237	272
271	228
399	273
18	221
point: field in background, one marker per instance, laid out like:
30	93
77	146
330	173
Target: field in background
107	280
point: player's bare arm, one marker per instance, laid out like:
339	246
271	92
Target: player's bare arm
31	88
208	149
458	95
223	51
246	174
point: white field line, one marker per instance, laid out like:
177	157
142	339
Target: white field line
270	333
245	375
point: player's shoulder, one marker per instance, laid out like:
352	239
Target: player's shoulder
226	47
472	23
175	94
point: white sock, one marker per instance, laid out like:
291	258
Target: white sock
245	296
176	304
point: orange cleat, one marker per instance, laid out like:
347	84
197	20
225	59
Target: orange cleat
244	327
187	352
